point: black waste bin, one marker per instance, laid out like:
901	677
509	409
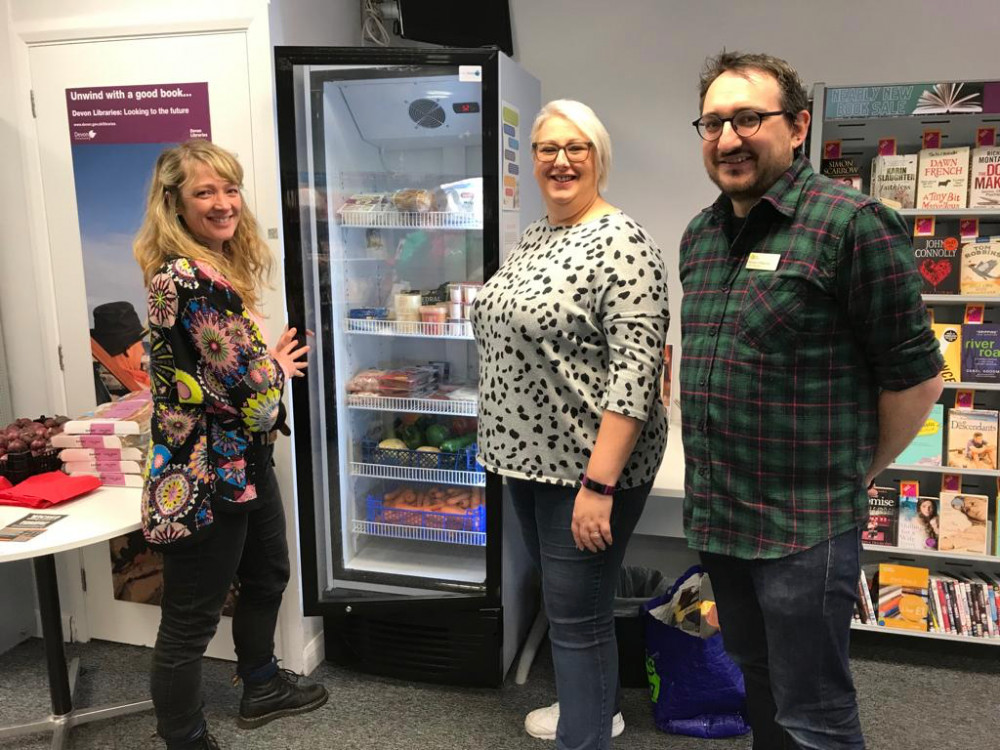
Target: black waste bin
636	586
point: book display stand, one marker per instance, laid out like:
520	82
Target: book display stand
931	151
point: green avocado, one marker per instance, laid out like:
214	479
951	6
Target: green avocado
437	434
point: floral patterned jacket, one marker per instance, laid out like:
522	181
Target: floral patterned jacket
216	390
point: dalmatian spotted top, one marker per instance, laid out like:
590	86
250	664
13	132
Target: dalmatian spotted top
572	324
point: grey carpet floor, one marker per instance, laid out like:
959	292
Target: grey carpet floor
909	700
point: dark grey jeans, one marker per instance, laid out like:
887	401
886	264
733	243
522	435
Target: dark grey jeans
196	578
579	593
787	624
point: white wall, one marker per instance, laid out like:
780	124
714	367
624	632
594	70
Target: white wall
19	309
636	62
319	23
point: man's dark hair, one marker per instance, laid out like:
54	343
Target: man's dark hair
793	93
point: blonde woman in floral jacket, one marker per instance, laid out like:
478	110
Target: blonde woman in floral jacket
210	501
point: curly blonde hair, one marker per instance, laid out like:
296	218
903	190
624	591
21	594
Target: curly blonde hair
246	261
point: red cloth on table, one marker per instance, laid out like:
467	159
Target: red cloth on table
46	490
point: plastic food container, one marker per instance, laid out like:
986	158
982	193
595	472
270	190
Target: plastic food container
408	306
469	292
435	316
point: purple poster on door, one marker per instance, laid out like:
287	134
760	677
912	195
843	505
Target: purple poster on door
116	133
157	113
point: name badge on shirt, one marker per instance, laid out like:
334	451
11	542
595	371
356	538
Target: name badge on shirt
763	261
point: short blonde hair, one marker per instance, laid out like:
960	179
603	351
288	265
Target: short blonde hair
246	262
583	117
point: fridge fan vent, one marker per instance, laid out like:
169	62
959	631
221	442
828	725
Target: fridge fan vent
427	113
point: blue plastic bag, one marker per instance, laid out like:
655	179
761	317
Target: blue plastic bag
696	689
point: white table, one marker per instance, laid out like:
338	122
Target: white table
100	515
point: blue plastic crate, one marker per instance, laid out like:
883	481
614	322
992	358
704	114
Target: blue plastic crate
464	460
473	519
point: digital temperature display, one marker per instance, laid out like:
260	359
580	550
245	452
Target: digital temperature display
465	108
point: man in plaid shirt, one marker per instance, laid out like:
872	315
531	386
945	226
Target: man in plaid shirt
808	365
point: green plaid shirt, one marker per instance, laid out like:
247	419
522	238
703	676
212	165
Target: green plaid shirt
783	361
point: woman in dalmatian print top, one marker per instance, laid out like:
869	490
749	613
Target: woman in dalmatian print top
571	332
211	501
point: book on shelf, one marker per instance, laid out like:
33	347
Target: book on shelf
939	603
949	336
939	262
972	438
980	353
918	523
943	178
895	178
984	178
844	170
991	592
865	593
964	525
981	267
883	518
925	449
903	596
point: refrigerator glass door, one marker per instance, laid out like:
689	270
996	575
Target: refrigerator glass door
390	246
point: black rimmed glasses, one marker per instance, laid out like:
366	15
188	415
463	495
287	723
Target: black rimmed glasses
576	151
745	123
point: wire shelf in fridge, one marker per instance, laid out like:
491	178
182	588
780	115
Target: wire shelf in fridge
459	330
415	405
397	531
442	476
409	219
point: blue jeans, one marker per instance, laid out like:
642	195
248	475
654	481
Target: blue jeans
787	624
196	578
578	588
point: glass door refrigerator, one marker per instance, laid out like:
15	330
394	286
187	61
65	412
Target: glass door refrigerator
400	179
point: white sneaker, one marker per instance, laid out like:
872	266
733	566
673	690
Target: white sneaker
542	722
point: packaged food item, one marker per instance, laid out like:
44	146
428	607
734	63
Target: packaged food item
435	316
103	467
467	312
129	415
366	381
414	200
69	455
443	369
110	479
101	442
455	293
470	291
463	196
455	310
368	313
408	382
364	202
408	306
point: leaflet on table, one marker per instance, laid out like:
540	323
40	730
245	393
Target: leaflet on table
28	527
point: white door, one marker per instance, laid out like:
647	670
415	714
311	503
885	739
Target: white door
220	59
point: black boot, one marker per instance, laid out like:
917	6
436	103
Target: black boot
205	742
279	696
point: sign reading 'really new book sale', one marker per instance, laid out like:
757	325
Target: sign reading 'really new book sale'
968	97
